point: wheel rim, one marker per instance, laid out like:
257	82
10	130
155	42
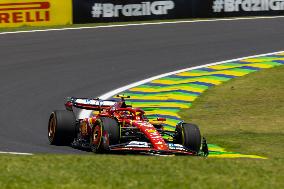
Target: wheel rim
106	138
51	128
97	134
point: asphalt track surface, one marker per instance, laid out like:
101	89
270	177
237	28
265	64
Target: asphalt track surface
37	70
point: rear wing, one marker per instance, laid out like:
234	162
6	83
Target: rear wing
87	103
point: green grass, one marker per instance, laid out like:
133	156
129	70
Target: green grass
244	115
103	171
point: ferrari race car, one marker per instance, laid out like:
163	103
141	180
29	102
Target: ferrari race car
115	127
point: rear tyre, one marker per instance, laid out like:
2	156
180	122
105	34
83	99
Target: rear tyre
189	136
61	127
106	132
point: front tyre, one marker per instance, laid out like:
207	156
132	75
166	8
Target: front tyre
189	136
106	132
61	127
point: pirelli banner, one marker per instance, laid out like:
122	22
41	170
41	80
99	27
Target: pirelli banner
93	11
15	13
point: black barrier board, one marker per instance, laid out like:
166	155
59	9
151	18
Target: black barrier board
94	11
237	8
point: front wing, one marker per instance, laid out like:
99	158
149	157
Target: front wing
136	147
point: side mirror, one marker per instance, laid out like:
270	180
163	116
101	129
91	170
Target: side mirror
161	119
69	105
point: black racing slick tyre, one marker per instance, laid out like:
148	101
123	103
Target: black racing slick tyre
105	132
189	136
61	127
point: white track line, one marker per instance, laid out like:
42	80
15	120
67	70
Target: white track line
126	87
144	24
15	153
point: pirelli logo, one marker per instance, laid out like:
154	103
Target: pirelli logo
24	12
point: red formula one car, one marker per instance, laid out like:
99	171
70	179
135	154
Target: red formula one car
113	126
